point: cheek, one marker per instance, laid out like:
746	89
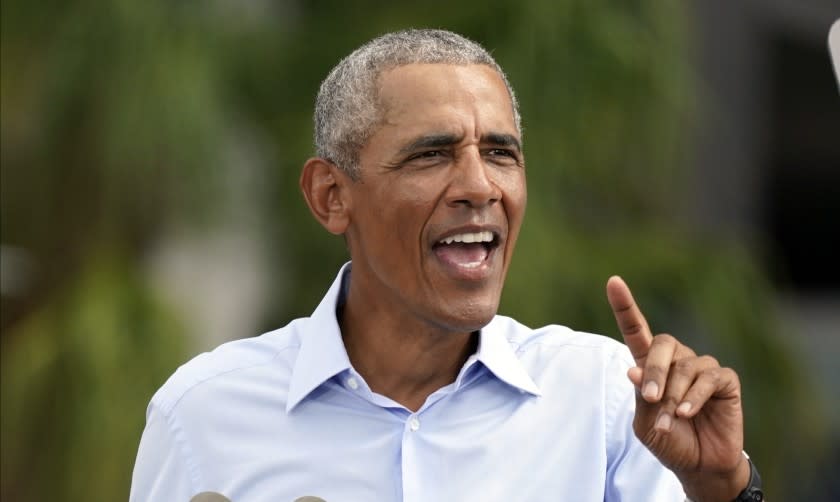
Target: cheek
515	195
401	210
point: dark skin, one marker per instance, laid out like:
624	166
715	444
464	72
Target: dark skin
446	160
688	408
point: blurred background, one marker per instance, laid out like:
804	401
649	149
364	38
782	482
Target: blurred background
150	209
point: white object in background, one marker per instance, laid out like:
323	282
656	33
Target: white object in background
834	48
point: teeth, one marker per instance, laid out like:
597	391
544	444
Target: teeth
468	238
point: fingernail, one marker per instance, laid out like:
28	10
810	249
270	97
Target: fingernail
663	423
651	390
684	408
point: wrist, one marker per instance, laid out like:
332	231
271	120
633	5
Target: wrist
717	487
753	492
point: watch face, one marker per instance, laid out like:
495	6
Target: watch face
751	495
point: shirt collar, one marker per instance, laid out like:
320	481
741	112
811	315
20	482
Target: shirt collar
322	354
497	354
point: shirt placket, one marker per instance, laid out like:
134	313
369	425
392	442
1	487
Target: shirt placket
411	469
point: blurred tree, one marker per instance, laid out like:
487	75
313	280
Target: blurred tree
76	377
115	118
110	121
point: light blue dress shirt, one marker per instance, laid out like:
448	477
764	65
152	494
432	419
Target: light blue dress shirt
534	415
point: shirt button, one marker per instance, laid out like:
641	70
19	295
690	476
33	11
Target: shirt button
352	383
414	424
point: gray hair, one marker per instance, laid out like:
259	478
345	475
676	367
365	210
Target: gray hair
346	111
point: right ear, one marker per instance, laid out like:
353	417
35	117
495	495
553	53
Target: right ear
324	187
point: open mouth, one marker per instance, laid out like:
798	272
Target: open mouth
467	250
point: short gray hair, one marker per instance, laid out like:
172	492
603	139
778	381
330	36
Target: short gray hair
346	111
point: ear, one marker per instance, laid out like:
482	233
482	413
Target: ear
324	187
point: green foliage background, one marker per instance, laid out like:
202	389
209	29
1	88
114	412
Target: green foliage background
115	117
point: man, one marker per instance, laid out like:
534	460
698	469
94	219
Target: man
404	384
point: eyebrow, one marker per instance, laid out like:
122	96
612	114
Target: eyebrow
502	140
431	141
441	140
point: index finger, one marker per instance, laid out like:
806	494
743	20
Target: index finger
633	325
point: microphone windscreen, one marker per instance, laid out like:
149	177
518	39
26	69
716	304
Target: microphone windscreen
209	497
834	48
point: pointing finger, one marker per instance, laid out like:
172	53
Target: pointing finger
634	328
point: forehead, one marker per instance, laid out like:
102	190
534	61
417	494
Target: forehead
442	93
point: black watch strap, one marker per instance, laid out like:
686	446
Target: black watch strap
752	493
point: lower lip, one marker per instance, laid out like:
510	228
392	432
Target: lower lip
477	272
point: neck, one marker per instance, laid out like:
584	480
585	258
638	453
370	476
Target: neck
403	359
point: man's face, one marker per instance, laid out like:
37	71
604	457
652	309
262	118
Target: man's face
435	214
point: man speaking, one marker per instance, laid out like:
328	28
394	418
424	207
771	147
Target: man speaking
404	384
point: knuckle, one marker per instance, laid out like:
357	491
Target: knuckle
623	309
685	365
632	328
664	339
713	375
655	372
731	375
709	361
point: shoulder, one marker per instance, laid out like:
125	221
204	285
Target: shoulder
558	340
571	366
231	364
556	355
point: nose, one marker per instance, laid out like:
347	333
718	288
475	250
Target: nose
472	184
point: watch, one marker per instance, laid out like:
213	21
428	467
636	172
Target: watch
752	493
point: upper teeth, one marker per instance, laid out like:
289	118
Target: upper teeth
467	238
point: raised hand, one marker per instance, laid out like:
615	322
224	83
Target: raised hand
688	408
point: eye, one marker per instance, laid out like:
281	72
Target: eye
503	156
427	158
502	152
426	155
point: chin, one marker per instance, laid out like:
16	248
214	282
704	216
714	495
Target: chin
468	317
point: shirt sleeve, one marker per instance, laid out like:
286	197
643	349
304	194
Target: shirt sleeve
633	473
161	471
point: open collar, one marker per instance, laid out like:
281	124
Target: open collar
499	356
322	354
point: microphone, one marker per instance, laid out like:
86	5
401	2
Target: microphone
209	497
834	49
218	497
